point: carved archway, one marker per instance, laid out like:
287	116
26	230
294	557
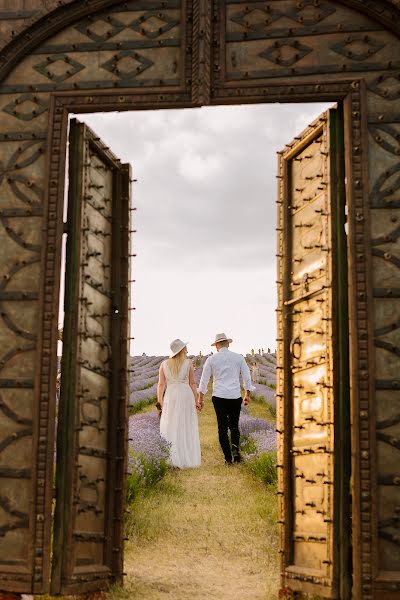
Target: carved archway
233	52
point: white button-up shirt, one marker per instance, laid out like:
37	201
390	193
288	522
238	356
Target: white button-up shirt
226	367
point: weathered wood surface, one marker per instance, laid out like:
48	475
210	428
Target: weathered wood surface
100	55
313	420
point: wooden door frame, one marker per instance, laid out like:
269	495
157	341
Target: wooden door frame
67	575
352	94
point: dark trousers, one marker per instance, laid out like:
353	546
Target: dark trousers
228	412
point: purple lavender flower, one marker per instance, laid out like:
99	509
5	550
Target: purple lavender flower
146	394
249	424
265	391
146	441
135	466
265	441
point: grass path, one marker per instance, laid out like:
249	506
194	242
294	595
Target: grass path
204	533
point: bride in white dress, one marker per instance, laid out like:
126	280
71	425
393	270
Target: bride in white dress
179	423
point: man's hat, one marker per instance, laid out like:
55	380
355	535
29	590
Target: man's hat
221	337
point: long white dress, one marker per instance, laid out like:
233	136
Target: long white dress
179	423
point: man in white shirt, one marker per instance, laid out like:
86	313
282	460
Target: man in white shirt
226	368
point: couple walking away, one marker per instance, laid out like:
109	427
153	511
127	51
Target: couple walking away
178	396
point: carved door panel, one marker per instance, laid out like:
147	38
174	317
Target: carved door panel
313	347
92	418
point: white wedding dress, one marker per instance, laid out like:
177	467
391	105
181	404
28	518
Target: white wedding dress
179	423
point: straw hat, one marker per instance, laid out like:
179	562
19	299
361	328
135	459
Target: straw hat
176	346
221	337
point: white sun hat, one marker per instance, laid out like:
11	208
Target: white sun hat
221	337
176	346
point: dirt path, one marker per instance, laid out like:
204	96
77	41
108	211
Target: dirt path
206	533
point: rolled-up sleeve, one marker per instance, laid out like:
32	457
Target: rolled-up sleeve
205	377
245	373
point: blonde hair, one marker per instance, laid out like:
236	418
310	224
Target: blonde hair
175	363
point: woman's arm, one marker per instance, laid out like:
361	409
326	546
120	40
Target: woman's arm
192	381
161	385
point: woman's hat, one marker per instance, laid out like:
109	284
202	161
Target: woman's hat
176	346
221	337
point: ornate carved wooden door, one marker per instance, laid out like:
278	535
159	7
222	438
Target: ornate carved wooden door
92	417
313	390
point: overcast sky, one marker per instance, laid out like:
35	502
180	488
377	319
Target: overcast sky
206	219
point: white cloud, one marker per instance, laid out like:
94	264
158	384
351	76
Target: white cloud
196	168
206	218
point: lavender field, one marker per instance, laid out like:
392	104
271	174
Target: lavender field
149	453
144	377
177	546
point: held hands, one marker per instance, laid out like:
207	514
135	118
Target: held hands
246	398
199	403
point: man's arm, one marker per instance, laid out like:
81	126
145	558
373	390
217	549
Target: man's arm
245	373
205	378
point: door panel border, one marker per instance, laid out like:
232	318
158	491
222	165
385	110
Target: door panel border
328	130
352	93
67	576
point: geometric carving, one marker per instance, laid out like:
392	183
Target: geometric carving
26	107
388	256
101	29
12	438
306	13
310	12
388	346
26	190
389	422
17	236
22	157
357	47
386	136
388	439
285	52
23	187
256	19
127	64
9	319
89	495
25	156
92	412
153	23
386	186
394	523
23	519
387	85
69	67
11	414
387	238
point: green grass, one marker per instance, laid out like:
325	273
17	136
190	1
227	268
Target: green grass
267	383
203	533
140	406
264	468
259	407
